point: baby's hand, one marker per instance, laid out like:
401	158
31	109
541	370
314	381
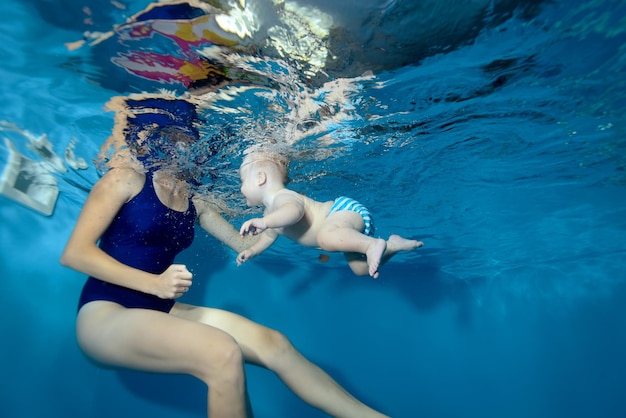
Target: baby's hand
253	227
244	256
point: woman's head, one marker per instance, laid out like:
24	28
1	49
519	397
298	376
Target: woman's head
162	144
157	128
154	132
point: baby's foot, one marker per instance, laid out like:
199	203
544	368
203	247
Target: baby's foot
374	253
397	243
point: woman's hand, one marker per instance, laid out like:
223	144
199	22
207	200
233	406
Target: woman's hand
173	282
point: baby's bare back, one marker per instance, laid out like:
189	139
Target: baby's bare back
305	231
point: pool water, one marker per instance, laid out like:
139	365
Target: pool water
492	131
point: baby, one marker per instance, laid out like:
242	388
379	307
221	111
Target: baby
340	225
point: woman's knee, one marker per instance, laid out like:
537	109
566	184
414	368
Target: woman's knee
222	363
275	348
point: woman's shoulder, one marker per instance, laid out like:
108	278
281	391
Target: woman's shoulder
124	173
122	180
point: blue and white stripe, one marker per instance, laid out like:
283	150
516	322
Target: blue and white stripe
346	203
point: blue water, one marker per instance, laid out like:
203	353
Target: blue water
495	136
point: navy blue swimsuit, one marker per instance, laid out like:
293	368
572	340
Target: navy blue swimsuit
147	235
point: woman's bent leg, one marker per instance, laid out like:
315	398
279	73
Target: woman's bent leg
158	342
271	349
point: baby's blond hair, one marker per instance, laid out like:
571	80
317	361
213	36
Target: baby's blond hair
258	158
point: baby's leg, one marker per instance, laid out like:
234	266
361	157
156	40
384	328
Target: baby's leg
341	231
396	243
368	263
361	265
357	263
374	255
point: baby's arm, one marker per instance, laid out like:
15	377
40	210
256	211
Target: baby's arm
265	240
288	208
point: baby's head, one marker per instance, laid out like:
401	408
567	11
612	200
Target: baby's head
273	163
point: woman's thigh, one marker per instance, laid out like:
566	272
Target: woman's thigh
257	342
150	340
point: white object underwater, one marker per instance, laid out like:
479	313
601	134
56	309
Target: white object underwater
28	182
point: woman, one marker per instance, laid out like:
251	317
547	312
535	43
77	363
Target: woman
130	229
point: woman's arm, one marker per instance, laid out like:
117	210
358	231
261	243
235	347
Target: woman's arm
212	222
82	253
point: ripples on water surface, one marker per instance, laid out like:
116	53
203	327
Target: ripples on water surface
447	129
494	131
503	122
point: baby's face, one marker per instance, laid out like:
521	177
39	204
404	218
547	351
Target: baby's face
249	187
